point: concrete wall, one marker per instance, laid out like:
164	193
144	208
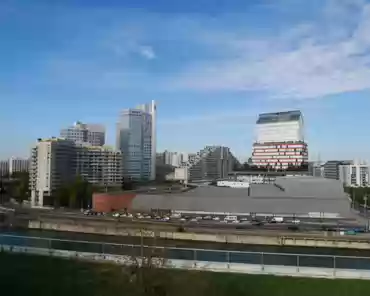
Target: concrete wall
251	239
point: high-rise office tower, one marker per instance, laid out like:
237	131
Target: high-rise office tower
280	141
136	138
94	134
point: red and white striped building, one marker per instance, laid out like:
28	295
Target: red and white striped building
280	141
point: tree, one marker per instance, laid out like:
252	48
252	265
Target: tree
20	188
77	194
127	183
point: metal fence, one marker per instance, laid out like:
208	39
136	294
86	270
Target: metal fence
219	256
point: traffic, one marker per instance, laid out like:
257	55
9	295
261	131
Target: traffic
238	222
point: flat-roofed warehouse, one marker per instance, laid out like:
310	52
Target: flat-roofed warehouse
289	195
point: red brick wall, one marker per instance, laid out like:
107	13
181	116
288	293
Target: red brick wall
105	202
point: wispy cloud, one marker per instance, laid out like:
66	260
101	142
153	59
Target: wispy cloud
307	62
147	52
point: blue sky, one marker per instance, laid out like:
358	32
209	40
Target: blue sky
212	66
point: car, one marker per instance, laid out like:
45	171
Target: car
244	220
182	219
116	215
194	220
140	217
216	218
129	215
148	217
207	218
165	219
176	216
235	222
296	221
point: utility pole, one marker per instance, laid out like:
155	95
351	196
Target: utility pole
365	205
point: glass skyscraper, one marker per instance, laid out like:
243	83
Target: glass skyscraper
136	138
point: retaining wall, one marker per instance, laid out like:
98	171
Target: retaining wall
207	237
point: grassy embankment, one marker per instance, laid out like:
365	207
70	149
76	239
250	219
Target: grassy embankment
34	275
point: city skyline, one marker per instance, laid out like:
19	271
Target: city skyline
211	68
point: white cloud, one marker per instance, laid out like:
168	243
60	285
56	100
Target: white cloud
305	62
147	52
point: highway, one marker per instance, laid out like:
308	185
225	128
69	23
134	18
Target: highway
306	225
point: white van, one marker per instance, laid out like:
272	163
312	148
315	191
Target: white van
231	218
277	219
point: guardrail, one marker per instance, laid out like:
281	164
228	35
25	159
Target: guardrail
262	259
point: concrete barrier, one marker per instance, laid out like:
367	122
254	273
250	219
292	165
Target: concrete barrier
258	239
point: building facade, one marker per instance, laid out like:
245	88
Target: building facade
99	165
56	162
175	159
355	175
210	163
331	168
94	134
136	139
4	168
280	141
17	165
52	165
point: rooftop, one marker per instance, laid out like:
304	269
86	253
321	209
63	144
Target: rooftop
294	115
302	195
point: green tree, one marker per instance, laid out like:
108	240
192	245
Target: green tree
61	196
20	187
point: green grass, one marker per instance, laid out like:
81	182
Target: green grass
34	275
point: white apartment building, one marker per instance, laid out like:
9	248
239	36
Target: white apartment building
52	164
280	140
136	139
354	175
58	161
